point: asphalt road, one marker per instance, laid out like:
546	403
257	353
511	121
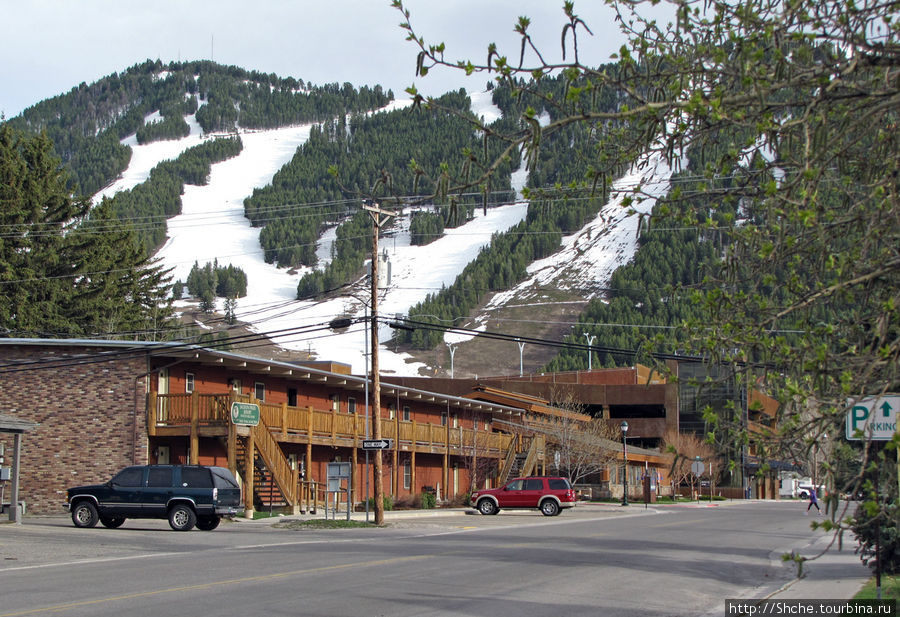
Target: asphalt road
594	560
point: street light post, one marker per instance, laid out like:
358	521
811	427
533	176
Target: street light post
590	339
624	427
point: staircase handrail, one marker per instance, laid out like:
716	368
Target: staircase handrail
275	460
531	458
508	460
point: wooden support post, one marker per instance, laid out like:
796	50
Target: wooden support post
333	426
308	464
295	478
152	399
249	456
195	428
412	471
232	448
355	474
284	421
445	472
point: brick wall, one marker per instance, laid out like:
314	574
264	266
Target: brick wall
91	418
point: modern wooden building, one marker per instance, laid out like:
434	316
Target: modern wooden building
102	405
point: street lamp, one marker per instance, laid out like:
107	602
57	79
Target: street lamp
590	339
624	427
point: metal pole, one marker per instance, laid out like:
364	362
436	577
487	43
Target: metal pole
590	339
521	349
452	353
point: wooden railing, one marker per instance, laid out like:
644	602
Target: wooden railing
275	460
508	461
536	446
172	410
175	409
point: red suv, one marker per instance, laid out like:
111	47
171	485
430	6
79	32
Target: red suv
547	494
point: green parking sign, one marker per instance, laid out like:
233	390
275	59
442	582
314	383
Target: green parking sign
875	417
245	414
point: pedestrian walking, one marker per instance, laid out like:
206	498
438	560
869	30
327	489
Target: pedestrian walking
813	501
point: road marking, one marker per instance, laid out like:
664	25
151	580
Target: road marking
249	579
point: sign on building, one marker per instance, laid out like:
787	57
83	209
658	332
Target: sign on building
876	417
245	414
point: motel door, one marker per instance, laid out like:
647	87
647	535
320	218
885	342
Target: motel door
162	405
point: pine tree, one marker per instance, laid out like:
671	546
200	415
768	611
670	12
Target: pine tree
65	271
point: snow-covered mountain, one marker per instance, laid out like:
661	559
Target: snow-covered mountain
212	226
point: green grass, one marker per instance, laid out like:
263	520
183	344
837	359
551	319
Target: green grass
890	589
258	514
320	523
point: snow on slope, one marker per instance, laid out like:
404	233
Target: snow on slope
212	226
587	258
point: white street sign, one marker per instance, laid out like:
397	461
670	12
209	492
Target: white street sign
377	444
875	417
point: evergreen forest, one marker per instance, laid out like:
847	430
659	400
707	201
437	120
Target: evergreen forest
86	124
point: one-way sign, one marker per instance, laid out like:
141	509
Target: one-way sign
377	444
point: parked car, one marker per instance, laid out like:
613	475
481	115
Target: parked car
187	495
803	491
547	494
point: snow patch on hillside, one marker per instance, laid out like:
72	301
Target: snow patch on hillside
212	227
587	258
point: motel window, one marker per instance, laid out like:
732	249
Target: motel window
259	391
443	418
189	382
487	424
351	405
235	385
292	397
335	402
392	411
455	420
407	474
406	414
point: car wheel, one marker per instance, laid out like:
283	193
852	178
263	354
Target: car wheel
549	507
487	507
207	523
182	518
84	514
112	522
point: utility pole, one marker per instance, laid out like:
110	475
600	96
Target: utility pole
377	221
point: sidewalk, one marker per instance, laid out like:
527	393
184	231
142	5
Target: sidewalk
836	575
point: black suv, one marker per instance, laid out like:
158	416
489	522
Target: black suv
187	495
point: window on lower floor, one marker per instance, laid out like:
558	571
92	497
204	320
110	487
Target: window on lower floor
406	413
351	405
259	391
407	474
189	382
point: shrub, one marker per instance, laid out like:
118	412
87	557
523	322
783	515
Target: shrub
865	527
387	500
428	501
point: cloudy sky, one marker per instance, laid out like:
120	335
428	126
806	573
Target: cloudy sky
49	46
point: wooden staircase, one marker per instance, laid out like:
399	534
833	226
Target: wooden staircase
274	482
520	462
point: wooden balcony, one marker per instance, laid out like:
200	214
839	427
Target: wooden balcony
208	415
